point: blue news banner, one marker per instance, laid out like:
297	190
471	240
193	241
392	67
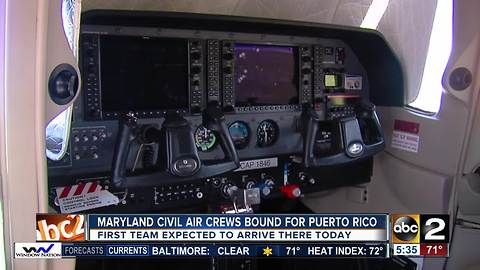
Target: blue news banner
246	235
238	228
350	250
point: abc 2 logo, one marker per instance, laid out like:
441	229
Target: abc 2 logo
60	227
415	229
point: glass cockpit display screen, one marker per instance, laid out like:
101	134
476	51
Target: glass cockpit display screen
265	75
143	73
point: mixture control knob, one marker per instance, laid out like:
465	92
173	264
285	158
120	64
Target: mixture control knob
265	190
292	191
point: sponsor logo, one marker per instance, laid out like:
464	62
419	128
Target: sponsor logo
38	250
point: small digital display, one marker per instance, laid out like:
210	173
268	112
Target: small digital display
143	73
330	80
265	75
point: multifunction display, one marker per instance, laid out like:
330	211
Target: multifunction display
265	75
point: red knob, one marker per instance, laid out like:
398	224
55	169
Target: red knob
292	191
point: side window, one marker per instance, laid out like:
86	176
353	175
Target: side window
429	97
58	129
421	34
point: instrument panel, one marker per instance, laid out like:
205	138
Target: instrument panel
267	90
245	75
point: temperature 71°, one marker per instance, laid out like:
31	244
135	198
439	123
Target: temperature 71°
292	251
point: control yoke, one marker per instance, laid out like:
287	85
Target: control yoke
355	146
181	155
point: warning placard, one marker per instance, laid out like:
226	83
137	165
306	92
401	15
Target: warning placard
405	136
405	141
83	197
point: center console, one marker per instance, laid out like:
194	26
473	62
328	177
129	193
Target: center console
178	112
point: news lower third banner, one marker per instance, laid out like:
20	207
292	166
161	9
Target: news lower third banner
238	228
177	235
57	250
310	235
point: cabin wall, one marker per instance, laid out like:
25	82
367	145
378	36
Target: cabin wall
345	12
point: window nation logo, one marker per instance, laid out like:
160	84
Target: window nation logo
38	250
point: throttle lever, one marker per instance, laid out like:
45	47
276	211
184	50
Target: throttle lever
243	199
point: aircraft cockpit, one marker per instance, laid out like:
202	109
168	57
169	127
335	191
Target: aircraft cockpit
182	111
239	134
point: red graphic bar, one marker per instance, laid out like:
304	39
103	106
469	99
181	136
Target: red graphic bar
434	249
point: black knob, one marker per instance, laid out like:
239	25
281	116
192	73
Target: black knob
306	71
228	108
195	110
90	52
92	112
228	56
227	70
306	58
92	69
196	69
195	44
196	55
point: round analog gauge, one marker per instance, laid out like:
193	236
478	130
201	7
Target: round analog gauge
204	138
267	133
240	134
